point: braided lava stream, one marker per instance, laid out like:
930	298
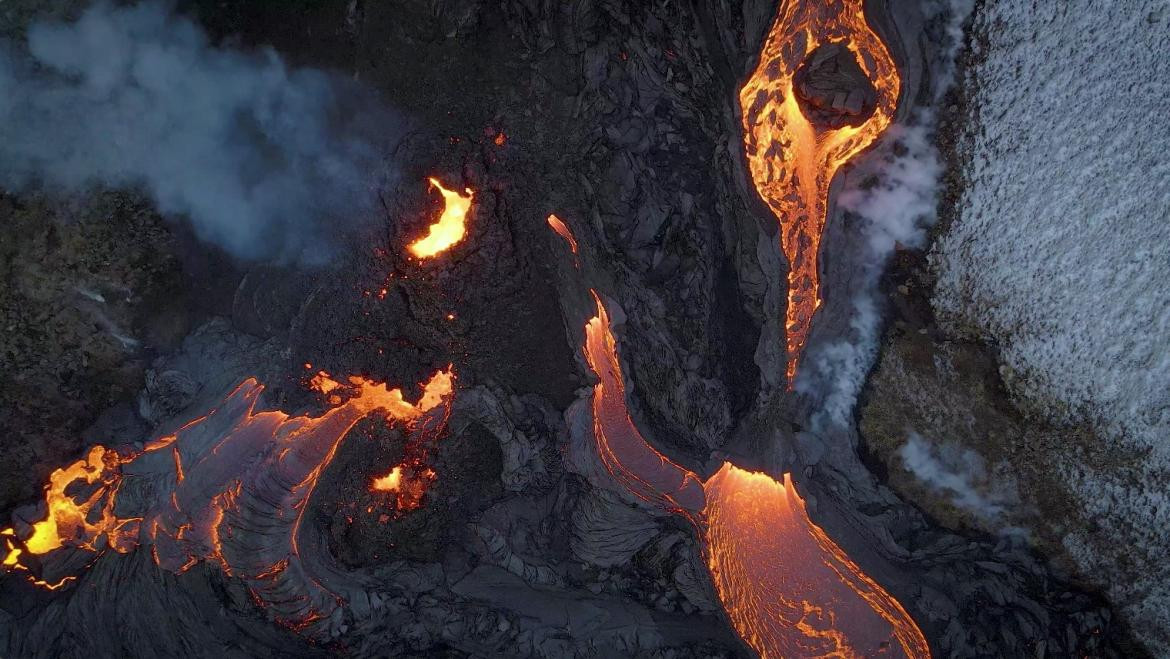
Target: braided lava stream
788	589
793	160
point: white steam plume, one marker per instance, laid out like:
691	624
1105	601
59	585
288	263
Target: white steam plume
893	191
260	158
904	171
962	474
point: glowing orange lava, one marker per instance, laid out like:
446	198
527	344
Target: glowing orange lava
408	482
390	482
793	161
789	590
563	231
628	457
450	228
234	453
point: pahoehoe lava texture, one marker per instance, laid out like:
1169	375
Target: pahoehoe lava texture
620	117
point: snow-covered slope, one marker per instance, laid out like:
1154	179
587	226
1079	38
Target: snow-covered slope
1061	256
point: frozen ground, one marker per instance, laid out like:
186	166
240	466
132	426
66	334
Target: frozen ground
1061	254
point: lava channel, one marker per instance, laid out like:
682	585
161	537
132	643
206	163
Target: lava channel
793	159
558	225
788	589
450	227
230	487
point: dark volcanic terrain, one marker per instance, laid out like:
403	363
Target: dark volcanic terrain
622	118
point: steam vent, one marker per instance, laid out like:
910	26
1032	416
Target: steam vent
584	329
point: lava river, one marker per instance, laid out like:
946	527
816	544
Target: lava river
230	487
787	588
793	159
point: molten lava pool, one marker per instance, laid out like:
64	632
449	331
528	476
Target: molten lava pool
788	589
792	159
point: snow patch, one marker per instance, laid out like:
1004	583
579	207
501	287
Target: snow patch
1061	254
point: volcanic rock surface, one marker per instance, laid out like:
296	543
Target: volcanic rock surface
832	88
620	118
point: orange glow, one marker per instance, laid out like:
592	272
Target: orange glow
72	519
789	590
450	228
793	161
628	457
270	459
369	395
408	482
563	231
389	482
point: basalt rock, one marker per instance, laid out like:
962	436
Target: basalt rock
832	89
619	117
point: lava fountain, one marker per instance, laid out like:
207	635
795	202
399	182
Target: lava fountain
798	133
230	487
788	589
450	227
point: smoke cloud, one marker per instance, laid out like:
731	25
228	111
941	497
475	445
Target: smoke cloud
897	205
962	474
893	194
258	157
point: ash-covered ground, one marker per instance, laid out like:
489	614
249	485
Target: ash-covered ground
126	315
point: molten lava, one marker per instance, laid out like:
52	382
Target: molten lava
408	482
628	457
230	487
792	160
390	482
451	226
558	225
788	589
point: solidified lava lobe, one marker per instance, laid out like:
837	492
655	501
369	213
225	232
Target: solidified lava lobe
793	158
789	590
831	88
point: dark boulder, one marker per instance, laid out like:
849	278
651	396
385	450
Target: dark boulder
832	89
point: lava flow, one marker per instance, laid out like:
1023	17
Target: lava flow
787	588
627	456
409	480
230	487
451	226
793	159
558	225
